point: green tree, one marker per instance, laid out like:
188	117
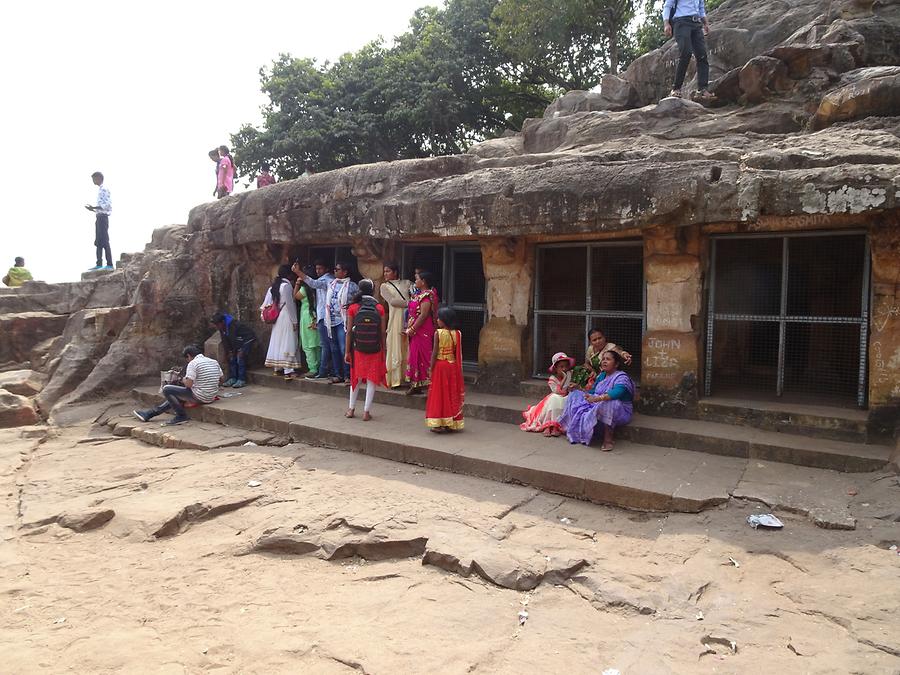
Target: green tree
568	44
441	86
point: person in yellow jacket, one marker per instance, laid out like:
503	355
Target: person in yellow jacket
17	274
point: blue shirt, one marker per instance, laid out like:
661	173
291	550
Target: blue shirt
685	8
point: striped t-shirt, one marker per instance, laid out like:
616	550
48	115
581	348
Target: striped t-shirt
205	373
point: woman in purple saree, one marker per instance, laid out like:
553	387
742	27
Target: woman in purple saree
609	402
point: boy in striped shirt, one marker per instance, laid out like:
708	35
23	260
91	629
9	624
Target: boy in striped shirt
201	384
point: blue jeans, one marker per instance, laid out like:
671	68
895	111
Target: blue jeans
237	366
174	395
325	356
338	342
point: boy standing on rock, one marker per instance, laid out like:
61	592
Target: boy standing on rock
686	19
101	223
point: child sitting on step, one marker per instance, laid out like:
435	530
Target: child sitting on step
543	416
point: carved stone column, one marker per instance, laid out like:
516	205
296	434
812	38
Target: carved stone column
371	255
502	352
884	326
671	347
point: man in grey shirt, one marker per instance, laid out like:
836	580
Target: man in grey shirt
201	385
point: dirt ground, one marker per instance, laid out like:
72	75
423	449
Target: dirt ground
123	557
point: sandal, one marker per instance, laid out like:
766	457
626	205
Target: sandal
350	413
547	433
556	433
366	416
606	448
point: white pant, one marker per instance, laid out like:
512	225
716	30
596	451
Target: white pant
370	395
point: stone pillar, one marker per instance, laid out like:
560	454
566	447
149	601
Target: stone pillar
371	254
884	326
670	364
502	351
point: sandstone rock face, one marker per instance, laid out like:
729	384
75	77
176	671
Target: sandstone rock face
16	411
22	382
868	92
21	331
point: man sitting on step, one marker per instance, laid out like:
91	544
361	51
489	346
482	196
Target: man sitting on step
201	384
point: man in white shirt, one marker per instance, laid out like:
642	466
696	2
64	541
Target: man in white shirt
201	384
101	223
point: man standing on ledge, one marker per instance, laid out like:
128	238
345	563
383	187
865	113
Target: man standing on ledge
687	20
101	224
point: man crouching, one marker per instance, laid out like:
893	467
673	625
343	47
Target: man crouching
201	384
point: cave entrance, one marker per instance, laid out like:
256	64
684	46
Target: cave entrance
788	317
459	281
579	287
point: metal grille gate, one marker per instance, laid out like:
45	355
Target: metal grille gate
579	287
459	280
788	315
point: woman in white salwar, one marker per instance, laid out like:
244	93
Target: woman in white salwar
395	292
284	344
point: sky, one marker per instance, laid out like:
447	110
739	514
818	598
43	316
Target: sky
141	92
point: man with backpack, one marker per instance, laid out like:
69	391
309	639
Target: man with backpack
364	346
687	20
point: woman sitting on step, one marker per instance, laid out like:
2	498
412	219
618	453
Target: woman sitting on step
609	402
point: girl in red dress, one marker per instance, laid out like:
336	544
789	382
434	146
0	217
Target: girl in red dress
444	408
364	348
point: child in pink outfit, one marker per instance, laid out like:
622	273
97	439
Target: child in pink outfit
225	173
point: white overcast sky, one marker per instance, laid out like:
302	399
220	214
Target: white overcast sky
141	92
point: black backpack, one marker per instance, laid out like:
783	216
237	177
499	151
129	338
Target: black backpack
367	327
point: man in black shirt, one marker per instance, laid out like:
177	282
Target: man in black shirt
238	339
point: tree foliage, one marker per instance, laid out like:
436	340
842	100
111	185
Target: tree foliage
472	70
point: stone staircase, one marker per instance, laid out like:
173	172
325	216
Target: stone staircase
659	464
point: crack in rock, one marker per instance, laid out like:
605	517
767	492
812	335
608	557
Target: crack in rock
200	511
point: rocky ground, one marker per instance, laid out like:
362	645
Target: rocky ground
122	556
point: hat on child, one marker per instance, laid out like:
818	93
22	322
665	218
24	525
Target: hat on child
560	356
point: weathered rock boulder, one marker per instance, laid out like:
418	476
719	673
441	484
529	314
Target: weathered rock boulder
763	77
16	411
865	92
575	101
87	337
22	382
21	331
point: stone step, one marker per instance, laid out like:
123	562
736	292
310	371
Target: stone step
632	476
842	424
716	438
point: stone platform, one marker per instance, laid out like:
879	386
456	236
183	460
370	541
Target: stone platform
634	475
748	434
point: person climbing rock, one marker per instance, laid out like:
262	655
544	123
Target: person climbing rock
687	21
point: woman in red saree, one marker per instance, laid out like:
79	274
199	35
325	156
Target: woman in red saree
444	407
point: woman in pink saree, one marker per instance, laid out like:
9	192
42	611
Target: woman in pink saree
420	331
609	402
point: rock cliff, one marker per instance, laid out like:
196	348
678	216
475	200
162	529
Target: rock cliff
806	125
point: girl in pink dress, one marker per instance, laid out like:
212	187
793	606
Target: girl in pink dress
543	416
224	173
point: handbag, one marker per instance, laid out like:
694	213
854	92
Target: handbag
270	313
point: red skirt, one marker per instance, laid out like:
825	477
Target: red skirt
444	407
367	367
